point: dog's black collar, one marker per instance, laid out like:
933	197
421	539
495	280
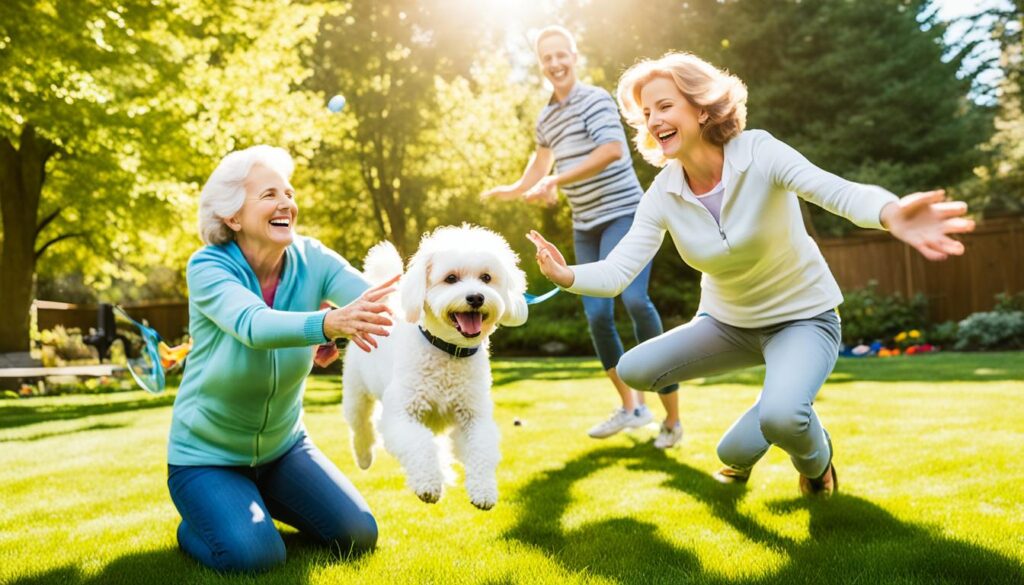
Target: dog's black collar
449	348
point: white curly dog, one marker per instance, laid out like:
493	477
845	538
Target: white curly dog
432	374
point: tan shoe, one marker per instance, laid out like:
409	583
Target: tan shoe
820	487
825	485
729	475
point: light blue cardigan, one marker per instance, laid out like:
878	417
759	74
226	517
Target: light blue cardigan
240	400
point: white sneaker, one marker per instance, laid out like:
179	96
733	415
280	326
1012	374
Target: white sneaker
619	420
641	416
668	437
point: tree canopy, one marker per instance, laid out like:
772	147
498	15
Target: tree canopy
113	115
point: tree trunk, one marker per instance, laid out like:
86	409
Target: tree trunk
22	173
380	165
398	221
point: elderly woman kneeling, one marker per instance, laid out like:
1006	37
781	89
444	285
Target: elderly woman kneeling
238	453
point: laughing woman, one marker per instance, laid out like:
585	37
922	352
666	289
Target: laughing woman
728	198
238	453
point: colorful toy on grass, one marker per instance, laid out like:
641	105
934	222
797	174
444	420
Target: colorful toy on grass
173	356
876	349
921	348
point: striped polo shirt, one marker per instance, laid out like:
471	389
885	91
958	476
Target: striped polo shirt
573	128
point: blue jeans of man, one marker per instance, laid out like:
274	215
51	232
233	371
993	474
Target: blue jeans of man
593	245
226	511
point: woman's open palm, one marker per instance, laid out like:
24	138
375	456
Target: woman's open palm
925	220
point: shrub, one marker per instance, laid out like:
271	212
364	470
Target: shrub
1006	303
943	334
991	330
544	337
101	385
66	346
676	301
869	315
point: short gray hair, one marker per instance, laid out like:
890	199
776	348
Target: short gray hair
224	192
553	30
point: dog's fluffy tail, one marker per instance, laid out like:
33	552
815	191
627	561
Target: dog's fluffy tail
382	262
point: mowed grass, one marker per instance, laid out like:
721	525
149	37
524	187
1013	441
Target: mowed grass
928	451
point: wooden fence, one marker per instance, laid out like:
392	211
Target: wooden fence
169	318
955	288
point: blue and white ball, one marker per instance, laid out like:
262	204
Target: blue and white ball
336	104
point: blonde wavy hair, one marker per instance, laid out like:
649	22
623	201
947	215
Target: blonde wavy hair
722	95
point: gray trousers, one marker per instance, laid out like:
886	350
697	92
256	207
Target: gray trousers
798	357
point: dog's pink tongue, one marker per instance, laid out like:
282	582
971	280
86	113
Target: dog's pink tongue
469	323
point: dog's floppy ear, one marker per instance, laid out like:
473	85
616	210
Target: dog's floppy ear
413	288
516	310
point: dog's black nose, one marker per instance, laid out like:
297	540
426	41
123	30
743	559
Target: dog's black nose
475	300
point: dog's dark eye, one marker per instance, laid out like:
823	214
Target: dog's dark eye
451	279
486	277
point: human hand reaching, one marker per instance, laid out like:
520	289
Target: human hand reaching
501	193
363	318
924	221
552	263
545	192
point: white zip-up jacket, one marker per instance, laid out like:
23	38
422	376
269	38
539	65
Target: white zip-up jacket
760	267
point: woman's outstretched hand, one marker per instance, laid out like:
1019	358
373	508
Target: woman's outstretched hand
363	318
552	263
924	221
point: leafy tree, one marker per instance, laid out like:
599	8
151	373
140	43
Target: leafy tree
860	88
998	187
76	75
111	117
427	123
479	135
384	56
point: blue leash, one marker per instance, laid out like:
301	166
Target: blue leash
534	299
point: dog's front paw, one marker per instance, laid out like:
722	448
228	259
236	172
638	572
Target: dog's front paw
428	486
484	497
485	503
430	495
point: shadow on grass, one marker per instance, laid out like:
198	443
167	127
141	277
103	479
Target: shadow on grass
851	538
322	398
163	566
938	367
173	566
38	436
26	412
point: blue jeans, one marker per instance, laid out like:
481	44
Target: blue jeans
593	245
226	511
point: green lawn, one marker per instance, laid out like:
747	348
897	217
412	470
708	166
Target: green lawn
928	453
